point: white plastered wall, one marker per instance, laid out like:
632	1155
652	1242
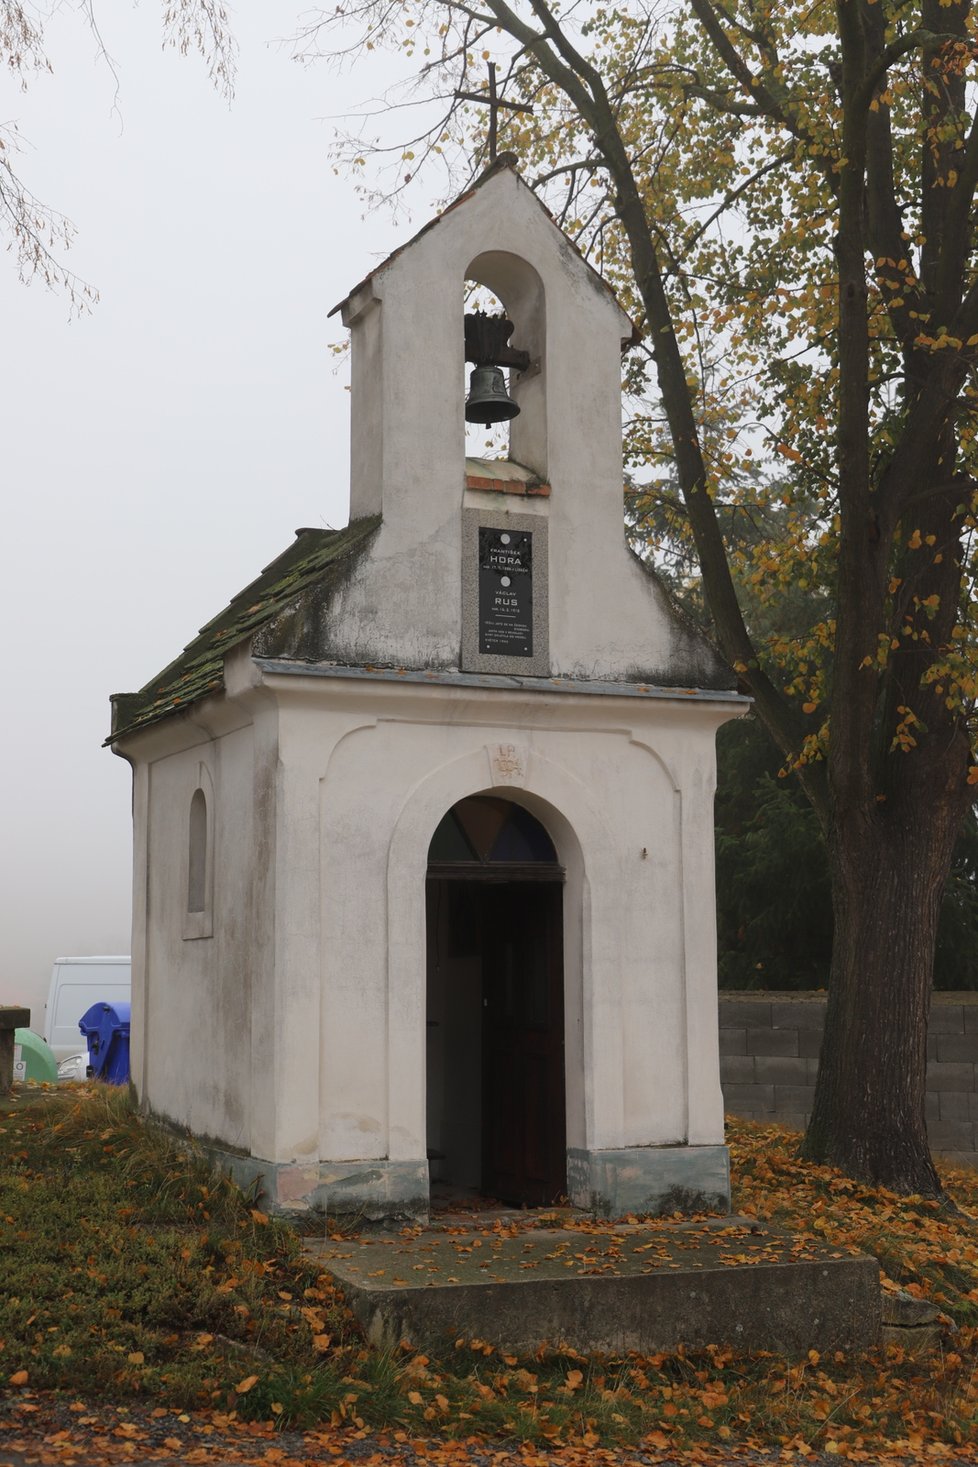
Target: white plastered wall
197	975
297	1031
373	768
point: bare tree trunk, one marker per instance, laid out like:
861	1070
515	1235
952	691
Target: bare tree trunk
888	873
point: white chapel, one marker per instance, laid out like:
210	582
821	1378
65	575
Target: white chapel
423	820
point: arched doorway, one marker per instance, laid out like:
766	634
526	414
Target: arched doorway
495	975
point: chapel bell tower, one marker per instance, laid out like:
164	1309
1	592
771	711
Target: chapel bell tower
410	337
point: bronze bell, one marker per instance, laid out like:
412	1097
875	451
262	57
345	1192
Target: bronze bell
488	401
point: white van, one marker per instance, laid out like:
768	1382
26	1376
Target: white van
77	983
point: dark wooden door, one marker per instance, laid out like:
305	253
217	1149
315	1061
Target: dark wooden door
523	1127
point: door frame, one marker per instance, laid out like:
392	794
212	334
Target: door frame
499	1041
585	843
551	874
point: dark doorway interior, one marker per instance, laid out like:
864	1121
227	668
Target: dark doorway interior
495	1008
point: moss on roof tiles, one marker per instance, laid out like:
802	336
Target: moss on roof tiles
199	670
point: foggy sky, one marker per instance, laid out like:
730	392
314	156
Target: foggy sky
160	451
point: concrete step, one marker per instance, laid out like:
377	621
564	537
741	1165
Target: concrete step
607	1289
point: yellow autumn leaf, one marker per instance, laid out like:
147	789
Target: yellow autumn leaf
135	1357
19	1378
574	1379
244	1386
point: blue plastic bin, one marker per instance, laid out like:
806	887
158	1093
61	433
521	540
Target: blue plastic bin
106	1028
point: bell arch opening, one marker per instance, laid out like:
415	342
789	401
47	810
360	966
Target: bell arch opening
495	1070
499	284
485	387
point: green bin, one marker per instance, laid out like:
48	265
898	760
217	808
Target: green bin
33	1059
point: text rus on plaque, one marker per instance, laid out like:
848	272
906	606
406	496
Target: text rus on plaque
505	592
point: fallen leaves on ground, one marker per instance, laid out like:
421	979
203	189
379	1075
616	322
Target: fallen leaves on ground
148	1313
76	1434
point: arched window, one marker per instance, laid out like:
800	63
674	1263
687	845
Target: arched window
197	864
198	915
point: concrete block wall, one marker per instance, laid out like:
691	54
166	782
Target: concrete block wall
769	1045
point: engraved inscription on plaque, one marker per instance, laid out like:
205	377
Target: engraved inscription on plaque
505	592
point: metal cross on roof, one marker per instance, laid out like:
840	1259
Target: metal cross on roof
493	100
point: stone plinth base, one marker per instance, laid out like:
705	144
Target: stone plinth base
650	1180
368	1191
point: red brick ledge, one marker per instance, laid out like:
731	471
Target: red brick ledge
507	486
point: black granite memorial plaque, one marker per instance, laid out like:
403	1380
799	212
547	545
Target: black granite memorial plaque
505	592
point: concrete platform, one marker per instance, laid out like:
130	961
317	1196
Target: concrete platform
607	1289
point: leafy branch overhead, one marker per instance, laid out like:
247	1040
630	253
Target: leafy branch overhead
37	235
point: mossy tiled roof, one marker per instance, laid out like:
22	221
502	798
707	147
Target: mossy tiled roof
315	555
